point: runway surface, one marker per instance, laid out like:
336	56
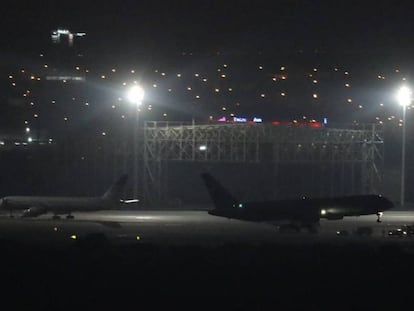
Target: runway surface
175	255
187	227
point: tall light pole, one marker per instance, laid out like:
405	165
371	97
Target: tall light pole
404	99
135	96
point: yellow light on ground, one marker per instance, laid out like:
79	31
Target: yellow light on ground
138	238
73	237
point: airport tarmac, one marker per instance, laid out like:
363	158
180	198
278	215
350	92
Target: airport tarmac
189	253
186	227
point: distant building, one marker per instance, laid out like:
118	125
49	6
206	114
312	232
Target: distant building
65	55
59	33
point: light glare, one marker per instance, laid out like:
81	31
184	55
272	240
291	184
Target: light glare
136	95
404	96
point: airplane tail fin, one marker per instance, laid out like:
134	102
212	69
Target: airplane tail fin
221	198
114	193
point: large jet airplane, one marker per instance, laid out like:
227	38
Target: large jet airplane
33	206
294	214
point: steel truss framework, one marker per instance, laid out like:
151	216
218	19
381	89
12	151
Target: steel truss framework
348	155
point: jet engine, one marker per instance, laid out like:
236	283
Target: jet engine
34	211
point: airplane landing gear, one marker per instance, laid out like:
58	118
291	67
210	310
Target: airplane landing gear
55	217
379	215
70	216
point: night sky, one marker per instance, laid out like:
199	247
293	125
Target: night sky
155	26
274	59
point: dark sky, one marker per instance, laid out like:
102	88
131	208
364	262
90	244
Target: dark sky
214	25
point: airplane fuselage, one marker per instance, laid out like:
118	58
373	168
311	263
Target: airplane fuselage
306	210
57	205
33	206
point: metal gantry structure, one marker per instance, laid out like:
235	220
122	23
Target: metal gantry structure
279	160
350	158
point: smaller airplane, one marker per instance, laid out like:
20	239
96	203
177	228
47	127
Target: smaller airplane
299	213
34	206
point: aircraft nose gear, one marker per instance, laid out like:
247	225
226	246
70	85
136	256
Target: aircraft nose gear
379	215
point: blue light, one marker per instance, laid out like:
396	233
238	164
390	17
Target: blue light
238	119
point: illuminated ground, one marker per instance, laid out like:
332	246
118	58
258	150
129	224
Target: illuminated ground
168	258
183	227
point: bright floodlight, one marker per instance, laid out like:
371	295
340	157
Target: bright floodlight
136	94
404	96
